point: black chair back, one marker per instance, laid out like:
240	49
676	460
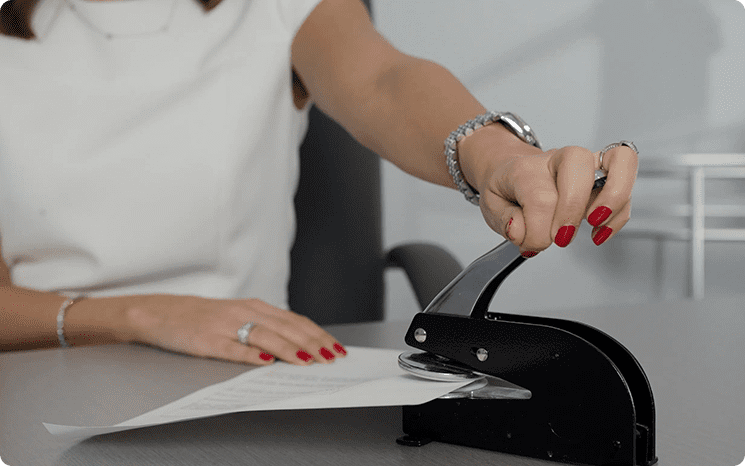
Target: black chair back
337	259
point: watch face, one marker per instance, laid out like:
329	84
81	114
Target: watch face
521	129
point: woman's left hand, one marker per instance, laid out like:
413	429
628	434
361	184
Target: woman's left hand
536	198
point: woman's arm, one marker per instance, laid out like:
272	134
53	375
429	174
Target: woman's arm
403	108
186	324
28	318
400	106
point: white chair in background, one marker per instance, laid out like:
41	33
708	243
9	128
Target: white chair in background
697	169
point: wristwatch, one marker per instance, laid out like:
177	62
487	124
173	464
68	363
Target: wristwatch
510	121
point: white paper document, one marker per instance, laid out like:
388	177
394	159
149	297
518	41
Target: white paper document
366	377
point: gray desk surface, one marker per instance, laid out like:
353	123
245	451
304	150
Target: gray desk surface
693	353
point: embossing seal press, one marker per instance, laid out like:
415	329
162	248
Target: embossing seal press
545	388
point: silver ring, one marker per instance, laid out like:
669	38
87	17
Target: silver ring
628	144
244	331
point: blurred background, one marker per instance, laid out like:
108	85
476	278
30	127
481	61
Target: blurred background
666	74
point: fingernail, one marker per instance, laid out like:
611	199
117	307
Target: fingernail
326	354
339	349
304	356
265	356
603	233
507	230
527	254
564	236
599	215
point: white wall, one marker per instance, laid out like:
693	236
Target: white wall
667	74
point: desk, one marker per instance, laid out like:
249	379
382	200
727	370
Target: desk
693	353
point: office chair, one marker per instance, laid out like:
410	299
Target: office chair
337	261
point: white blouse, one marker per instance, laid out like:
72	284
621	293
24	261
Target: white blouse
149	147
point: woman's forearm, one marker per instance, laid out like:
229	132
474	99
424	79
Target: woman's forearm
28	320
418	104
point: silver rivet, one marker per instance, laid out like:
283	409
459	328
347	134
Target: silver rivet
482	354
420	335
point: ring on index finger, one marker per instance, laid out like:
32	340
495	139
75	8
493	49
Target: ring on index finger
628	144
244	331
601	174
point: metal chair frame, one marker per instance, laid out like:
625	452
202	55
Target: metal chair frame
697	168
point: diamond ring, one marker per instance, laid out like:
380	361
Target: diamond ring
244	331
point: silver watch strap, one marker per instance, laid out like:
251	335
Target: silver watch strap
509	120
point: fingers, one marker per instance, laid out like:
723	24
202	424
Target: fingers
209	328
538	205
536	193
542	199
522	226
294	338
575	169
504	217
606	230
551	193
522	203
231	350
608	208
263	337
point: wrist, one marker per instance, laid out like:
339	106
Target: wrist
98	321
479	153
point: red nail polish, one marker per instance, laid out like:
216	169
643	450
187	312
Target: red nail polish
304	356
603	233
339	349
564	236
326	354
599	215
507	230
265	356
527	254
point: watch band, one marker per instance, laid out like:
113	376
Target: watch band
511	121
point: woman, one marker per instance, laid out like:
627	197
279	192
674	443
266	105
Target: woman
148	159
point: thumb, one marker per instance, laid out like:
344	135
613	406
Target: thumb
504	217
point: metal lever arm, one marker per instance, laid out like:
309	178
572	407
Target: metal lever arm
473	289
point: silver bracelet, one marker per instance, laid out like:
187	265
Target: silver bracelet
511	121
61	319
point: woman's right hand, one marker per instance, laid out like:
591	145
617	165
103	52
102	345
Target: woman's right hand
208	328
